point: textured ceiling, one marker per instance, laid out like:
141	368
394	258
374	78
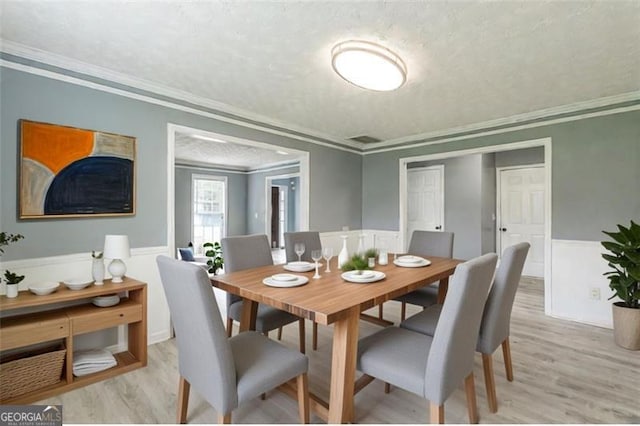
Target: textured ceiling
189	150
468	61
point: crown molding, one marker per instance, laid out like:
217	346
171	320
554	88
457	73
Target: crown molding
222	112
507	122
240	116
481	133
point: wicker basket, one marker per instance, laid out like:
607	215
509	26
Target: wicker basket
25	372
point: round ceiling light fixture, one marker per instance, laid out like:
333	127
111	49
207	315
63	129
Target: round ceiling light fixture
368	65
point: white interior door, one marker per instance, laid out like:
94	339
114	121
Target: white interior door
425	199
521	210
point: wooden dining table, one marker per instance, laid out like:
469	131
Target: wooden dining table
332	300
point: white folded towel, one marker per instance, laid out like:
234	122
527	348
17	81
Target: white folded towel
91	361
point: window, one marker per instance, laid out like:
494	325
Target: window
208	210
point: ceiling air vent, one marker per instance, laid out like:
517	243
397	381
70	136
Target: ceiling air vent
365	139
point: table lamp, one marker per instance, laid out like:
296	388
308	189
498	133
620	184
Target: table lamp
116	247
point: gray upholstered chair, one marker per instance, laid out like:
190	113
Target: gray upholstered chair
311	240
434	366
426	243
252	251
225	372
494	329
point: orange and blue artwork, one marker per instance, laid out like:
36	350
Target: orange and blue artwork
66	171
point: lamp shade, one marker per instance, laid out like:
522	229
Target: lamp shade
116	247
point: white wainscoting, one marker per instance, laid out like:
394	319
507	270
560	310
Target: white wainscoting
576	269
141	266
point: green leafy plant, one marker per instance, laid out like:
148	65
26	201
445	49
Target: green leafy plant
5	240
97	254
624	259
214	252
356	263
371	253
12	278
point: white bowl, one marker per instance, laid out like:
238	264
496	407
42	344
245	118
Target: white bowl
77	283
105	301
44	288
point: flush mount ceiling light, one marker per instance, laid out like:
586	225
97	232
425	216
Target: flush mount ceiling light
368	65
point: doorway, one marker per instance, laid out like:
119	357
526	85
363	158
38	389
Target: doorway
545	143
283	207
425	199
520	213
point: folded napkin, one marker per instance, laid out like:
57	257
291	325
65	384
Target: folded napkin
91	361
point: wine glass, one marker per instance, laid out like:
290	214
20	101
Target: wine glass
299	249
327	253
316	255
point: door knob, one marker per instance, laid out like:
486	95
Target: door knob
438	227
503	229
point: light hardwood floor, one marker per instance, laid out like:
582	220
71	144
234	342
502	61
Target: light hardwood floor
564	373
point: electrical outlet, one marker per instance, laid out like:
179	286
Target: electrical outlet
594	293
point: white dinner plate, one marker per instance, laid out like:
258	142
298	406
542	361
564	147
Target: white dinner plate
364	277
300	280
410	259
423	262
283	277
301	266
77	283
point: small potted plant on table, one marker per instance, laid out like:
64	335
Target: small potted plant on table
11	279
214	252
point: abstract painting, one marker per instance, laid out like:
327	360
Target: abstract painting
70	172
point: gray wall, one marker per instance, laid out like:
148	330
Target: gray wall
334	174
236	198
462	202
488	203
520	157
595	174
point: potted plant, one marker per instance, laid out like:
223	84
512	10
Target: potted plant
357	263
10	278
624	280
214	252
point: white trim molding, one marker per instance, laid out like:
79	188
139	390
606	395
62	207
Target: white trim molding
248	119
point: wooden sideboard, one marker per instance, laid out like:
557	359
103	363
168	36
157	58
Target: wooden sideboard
53	323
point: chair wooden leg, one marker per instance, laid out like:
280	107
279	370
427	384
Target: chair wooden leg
472	406
302	335
490	382
229	326
314	341
280	333
380	311
303	397
506	353
387	387
224	419
436	414
183	400
403	312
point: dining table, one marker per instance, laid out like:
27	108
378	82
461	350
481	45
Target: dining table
332	300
